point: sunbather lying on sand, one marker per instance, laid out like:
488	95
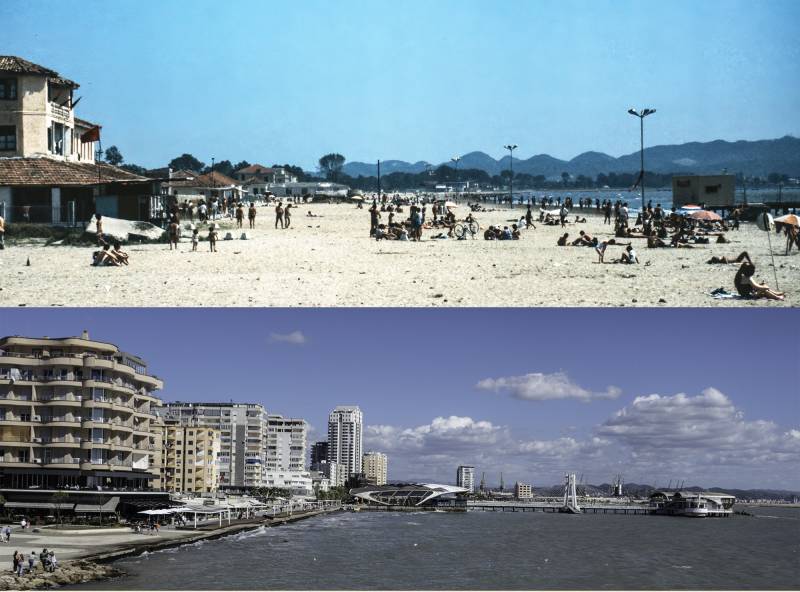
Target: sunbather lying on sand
743	256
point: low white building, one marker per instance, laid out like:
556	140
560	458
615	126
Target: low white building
307	189
298	482
319	482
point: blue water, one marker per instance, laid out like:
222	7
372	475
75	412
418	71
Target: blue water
481	551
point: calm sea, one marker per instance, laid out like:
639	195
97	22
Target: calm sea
434	550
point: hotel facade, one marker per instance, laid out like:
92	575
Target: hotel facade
243	432
77	413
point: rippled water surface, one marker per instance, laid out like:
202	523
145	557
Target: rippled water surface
434	550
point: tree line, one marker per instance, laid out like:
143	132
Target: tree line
331	168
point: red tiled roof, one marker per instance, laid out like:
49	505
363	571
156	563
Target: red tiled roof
46	171
255	169
20	66
207	180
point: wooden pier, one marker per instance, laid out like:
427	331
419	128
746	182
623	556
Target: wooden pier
555	508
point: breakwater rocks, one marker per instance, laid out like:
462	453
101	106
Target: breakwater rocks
68	572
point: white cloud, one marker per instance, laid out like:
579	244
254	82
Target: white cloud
703	439
704	429
537	386
293	338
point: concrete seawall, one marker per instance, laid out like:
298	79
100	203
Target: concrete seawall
96	566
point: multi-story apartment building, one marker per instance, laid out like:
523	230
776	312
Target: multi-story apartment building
319	455
286	443
523	490
190	455
76	412
376	468
465	477
345	441
243	434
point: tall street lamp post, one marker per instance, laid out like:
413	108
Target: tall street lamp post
641	115
455	160
511	148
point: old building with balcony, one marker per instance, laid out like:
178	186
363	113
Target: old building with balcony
189	455
77	413
48	172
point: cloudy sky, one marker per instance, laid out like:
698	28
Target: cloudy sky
709	396
277	82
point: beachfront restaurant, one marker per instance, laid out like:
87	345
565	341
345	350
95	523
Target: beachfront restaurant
89	505
41	190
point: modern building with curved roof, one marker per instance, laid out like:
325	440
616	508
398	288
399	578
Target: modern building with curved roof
405	495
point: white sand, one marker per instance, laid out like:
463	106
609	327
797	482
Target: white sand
331	261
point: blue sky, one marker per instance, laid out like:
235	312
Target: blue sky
415	80
532	392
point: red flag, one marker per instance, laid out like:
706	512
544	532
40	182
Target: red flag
93	135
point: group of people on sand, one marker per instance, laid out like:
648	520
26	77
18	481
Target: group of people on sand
21	563
283	215
110	252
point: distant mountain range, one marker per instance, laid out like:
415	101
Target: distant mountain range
638	490
757	158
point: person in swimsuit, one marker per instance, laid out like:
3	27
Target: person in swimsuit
747	287
743	256
251	215
239	215
287	215
212	238
562	241
279	215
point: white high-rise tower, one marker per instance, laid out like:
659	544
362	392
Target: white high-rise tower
345	441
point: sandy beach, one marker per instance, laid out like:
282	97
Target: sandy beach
331	261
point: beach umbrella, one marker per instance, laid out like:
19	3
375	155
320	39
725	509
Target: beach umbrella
705	215
792	219
356	198
450	204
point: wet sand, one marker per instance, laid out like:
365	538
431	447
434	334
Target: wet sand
331	261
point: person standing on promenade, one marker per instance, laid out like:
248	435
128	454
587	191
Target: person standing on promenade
2	233
279	215
251	214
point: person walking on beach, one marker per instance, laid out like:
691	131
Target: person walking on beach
195	238
99	233
279	215
2	233
374	216
239	215
251	215
174	232
212	238
607	212
287	215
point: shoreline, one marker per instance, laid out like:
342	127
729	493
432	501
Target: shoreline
96	566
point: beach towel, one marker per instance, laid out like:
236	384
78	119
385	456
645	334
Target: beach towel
723	294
